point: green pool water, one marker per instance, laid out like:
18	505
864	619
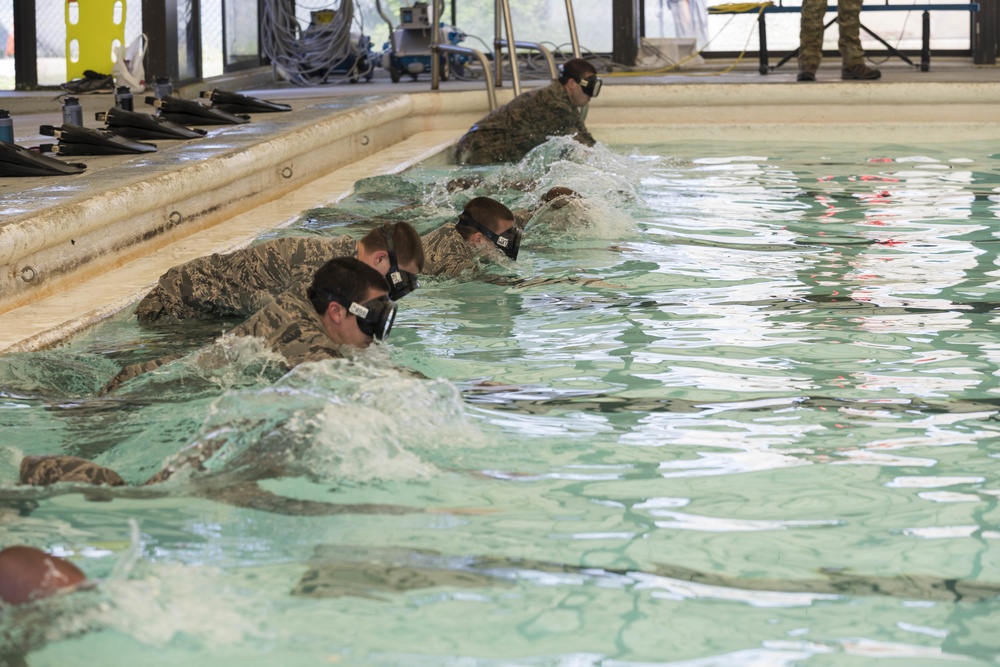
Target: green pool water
744	412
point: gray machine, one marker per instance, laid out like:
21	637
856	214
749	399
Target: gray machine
409	51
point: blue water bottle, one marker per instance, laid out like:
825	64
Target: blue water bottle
72	112
6	127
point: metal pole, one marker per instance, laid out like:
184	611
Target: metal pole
515	76
497	36
435	40
25	46
159	23
625	31
572	29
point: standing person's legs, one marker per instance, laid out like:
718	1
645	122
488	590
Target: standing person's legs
851	54
811	38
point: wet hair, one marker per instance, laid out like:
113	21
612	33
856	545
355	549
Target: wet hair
405	240
347	277
576	69
489	213
556	192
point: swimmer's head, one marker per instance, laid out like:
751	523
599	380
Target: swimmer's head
396	251
352	299
487	221
580	80
28	574
559	196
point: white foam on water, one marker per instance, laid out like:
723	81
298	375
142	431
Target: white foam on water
351	420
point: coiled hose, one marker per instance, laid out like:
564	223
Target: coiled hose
308	57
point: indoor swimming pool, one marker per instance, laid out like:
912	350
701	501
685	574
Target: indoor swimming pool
741	410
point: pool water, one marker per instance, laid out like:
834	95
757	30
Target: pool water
744	411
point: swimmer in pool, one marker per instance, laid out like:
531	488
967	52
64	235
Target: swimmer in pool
483	231
509	132
238	284
347	304
560	208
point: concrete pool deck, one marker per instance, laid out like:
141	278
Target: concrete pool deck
76	249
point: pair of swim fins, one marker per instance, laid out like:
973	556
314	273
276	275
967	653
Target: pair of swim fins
137	125
18	161
236	103
189	112
76	140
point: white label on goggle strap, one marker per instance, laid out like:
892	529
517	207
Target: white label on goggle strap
502	242
396	277
359	310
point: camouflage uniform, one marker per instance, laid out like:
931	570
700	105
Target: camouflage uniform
134	371
811	33
291	326
507	134
45	470
446	253
559	215
238	284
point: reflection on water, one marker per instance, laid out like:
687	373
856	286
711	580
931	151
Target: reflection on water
745	413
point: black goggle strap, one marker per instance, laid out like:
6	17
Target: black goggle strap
374	317
402	282
591	86
509	242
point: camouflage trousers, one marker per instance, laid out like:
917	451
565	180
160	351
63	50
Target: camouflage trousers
811	33
53	469
486	147
161	305
46	470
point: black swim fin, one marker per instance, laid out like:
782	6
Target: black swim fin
190	112
80	149
136	125
76	140
236	103
18	161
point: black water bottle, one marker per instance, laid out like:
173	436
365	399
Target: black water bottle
162	87
72	112
123	98
6	127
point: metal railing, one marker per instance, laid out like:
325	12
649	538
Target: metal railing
437	48
502	9
500	43
501	15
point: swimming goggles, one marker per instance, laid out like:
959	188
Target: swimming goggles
591	85
401	282
509	242
374	317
